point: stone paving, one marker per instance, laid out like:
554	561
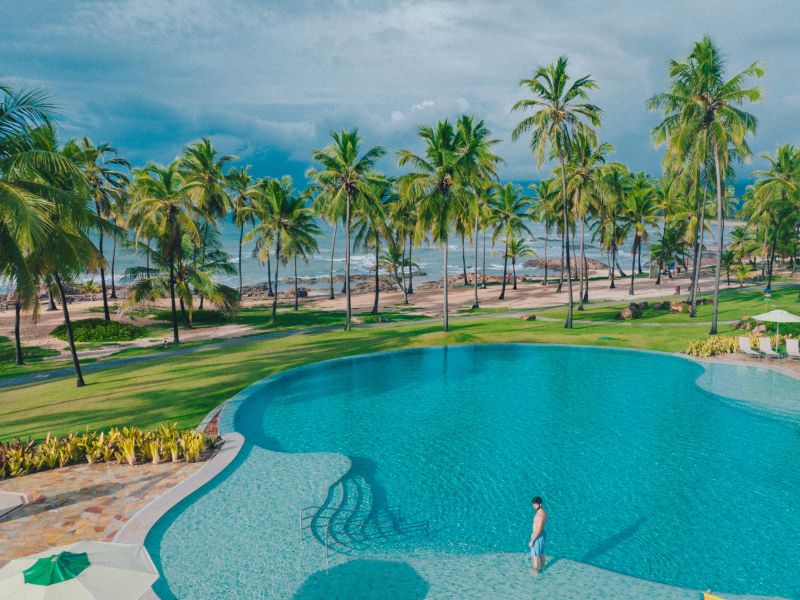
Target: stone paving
82	502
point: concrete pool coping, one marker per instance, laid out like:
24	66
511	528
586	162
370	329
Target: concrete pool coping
137	529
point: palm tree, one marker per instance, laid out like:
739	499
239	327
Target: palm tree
561	110
703	118
586	170
611	199
639	213
518	248
101	166
509	211
546	210
301	246
284	217
241	185
163	209
453	156
742	272
371	226
203	168
346	173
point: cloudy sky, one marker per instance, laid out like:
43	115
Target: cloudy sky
269	80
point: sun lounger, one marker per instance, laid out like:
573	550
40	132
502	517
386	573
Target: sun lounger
745	348
793	348
765	347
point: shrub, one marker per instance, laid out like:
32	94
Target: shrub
99	330
204	315
129	445
716	345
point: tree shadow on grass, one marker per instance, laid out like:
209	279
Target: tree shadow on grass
365	579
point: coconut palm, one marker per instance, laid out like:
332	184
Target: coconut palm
203	168
346	173
561	110
546	210
102	167
742	272
283	216
371	227
509	213
163	209
703	120
639	212
242	191
442	179
609	229
301	247
518	248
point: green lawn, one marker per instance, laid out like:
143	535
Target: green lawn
185	388
734	304
32	355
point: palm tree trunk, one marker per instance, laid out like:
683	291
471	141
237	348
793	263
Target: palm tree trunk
410	268
51	303
505	272
241	237
695	284
277	264
377	274
483	270
269	277
613	268
106	314
475	266
561	274
514	272
445	307
545	256
203	257
17	343
187	324
633	262
331	296
347	262
403	285
296	291
464	259
568	322
113	295
175	339
70	337
720	238
584	279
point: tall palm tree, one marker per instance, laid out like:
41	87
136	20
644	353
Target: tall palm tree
452	157
163	208
546	210
346	173
509	210
703	118
283	215
610	202
518	248
101	166
302	246
561	110
639	213
203	168
372	228
475	139
242	190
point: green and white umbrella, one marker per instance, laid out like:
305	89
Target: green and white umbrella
80	571
777	316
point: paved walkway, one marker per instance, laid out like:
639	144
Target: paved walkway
82	502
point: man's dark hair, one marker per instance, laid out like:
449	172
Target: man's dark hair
537	500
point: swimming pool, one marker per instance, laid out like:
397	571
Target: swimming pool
433	454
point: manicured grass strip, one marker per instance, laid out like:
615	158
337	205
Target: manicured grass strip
734	304
183	389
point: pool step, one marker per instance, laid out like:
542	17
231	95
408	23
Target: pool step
348	522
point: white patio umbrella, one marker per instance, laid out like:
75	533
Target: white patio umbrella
80	571
777	316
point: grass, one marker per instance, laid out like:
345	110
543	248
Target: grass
734	304
32	355
184	388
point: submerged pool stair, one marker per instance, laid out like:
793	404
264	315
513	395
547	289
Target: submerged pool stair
348	522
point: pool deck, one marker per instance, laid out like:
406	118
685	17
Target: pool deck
81	502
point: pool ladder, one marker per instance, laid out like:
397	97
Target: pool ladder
354	519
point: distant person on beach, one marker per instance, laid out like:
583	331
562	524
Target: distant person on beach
538	536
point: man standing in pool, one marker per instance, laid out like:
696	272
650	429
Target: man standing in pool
538	536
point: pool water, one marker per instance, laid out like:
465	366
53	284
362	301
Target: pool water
642	471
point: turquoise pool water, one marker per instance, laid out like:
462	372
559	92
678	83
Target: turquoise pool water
439	450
